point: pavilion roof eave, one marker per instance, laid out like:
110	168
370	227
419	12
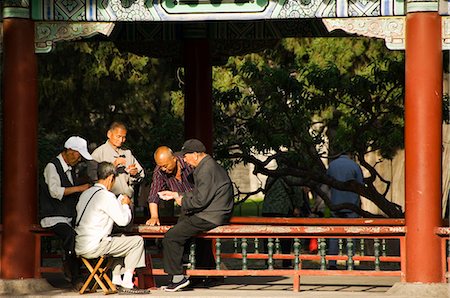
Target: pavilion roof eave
391	29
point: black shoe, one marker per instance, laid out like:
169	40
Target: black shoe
133	290
173	287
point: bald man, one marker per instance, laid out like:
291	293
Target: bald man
171	173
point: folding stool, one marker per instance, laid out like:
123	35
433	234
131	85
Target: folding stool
99	273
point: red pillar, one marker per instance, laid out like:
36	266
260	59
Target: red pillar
423	143
198	113
20	110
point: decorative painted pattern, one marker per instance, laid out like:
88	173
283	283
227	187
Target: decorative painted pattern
202	10
391	29
16	3
446	33
48	33
93	10
422	5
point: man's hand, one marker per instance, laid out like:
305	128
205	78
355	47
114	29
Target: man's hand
120	161
126	200
167	195
153	221
132	170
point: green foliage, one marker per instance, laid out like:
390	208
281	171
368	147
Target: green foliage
353	86
85	86
310	96
305	96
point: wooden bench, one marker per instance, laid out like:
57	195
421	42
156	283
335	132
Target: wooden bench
245	228
40	233
292	231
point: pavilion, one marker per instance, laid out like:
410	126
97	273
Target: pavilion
197	31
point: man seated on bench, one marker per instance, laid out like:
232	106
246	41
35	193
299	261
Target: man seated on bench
208	205
97	211
59	192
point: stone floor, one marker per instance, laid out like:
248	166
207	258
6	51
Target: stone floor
311	286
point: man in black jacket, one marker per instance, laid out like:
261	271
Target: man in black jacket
208	205
58	197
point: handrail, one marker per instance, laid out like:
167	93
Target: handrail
267	231
317	221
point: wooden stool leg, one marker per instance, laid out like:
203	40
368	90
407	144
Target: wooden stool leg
110	288
99	274
93	271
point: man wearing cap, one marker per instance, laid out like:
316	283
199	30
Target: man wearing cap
58	197
208	205
130	172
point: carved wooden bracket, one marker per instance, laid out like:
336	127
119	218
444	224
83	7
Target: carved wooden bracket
48	33
391	29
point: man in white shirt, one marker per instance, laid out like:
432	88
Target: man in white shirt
58	197
97	211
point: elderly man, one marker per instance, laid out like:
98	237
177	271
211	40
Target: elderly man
208	205
59	195
97	210
170	173
129	170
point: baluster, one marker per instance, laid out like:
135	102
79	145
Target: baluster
383	247
322	253
256	246
236	245
277	245
350	254
270	253
218	252
361	247
341	246
244	253
192	255
297	248
376	247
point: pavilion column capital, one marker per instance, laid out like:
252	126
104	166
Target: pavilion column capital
422	6
15	9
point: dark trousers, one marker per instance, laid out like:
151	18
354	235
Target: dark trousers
67	234
176	238
333	246
203	248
